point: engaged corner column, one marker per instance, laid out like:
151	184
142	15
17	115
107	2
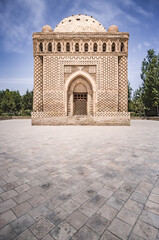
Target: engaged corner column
38	84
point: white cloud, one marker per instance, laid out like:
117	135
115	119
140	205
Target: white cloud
19	19
147	44
139	46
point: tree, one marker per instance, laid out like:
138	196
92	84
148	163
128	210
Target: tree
27	100
150	77
130	103
138	105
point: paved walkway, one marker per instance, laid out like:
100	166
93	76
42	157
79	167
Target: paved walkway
79	182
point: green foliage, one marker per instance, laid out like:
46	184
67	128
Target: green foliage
12	103
138	105
130	102
150	87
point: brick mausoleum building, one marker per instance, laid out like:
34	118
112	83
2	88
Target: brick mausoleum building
80	74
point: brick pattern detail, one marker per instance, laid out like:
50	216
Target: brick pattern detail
112	114
38	84
123	85
107	101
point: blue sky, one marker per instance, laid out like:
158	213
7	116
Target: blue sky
20	18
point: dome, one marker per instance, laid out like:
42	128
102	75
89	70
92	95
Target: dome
113	28
79	23
46	29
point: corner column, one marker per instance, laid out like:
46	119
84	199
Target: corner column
38	84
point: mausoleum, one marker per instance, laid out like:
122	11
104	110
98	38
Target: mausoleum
80	74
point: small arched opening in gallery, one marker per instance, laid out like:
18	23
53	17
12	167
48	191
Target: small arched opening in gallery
113	47
95	47
50	47
86	47
41	47
68	47
59	47
104	47
77	47
122	47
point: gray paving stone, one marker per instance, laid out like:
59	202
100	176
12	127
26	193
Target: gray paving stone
48	237
133	236
26	235
7	195
42	227
53	203
77	219
98	223
152	207
120	229
81	198
144	188
1	190
9	186
88	209
154	198
150	218
70	206
22	223
97	200
6	205
86	233
57	216
105	193
22	188
108	236
155	190
107	212
133	206
22	197
22	209
39	212
138	198
37	200
7	233
145	231
127	216
63	231
7	217
115	202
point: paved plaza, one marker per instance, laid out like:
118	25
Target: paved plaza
79	182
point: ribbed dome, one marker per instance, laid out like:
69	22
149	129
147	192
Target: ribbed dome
79	23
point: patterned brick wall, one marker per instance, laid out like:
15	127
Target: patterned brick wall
123	85
38	84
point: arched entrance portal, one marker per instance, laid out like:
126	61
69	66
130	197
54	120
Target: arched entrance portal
80	97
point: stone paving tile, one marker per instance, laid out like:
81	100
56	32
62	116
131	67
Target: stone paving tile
77	219
7	233
39	212
154	198
22	209
48	237
81	198
138	198
85	233
145	231
22	223
37	200
155	190
57	216
9	186
120	228
63	231
144	188
1	190
150	218
98	223
88	209
105	193
127	216
133	236
7	195
7	217
22	197
53	203
108	236
70	206
97	200
107	212
4	206
41	228
152	207
133	206
22	188
26	235
115	203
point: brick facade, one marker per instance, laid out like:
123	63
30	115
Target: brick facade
65	63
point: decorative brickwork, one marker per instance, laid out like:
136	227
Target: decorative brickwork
71	65
123	85
38	84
